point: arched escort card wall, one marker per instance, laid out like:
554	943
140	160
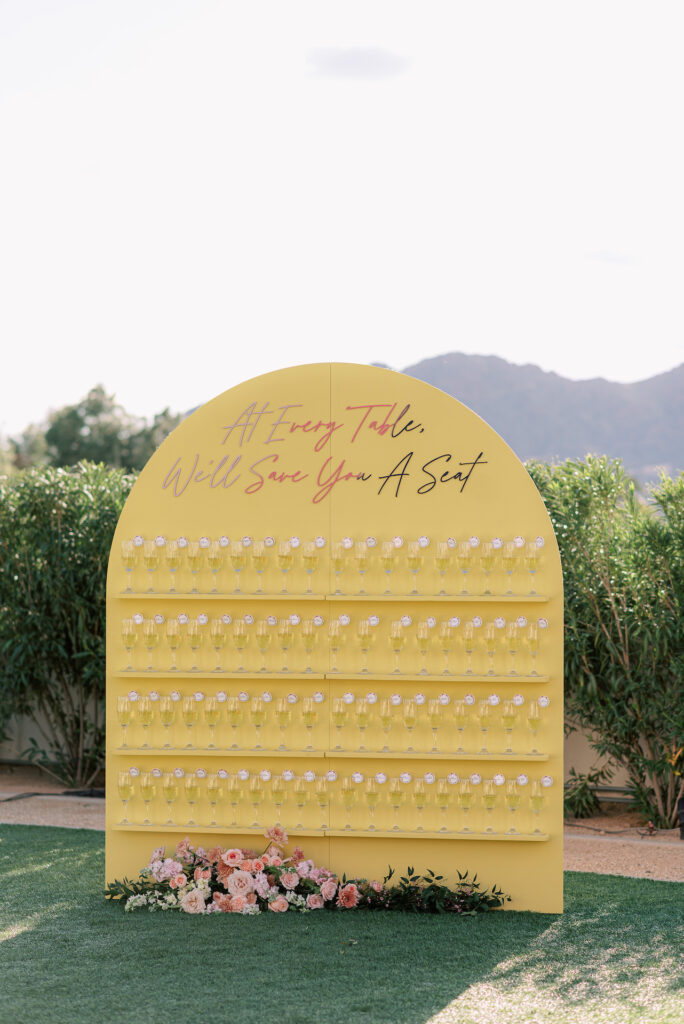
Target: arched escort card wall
335	602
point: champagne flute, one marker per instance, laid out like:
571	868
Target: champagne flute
410	715
361	557
217	633
125	787
414	560
372	796
167	716
238	560
308	633
461	721
337	560
150	561
434	715
170	788
388	560
323	798
509	558
145	715
129	635
301	796
129	557
173	640
512	644
334	642
484	719
240	640
259	561
340	715
191	795
397	640
362	716
256	797
397	796
512	802
124	710
364	636
489	801
386	718
348	791
193	554
537	804
532	561
147	791
469	645
492	640
284	640
310	560
236	794
212	714
283	714
172	557
257	714
508	717
443	799
278	794
215	563
487	563
285	560
150	639
532	641
190	713
442	563
213	795
234	714
533	722
194	635
464	560
309	718
263	641
420	801
423	639
465	800
446	639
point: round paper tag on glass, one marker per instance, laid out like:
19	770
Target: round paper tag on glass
222	696
198	696
153	695
405	777
160	541
269	542
451	542
267	697
133	695
201	773
331	775
319	542
295	542
226	619
477	621
288	775
182	619
202	618
518	700
295	619
493	699
444	699
243	774
138	618
292	698
539	541
348	698
265	775
429	777
522	779
204	542
499	622
469	699
134	772
344	620
498	779
242	696
519	541
223	774
175	695
318	620
157	773
318	697
406	620
476	779
248	620
380	778
543	623
347	543
543	702
159	619
431	622
272	620
371	542
182	542
138	541
372	698
546	781
474	542
423	542
246	542
453	778
395	700
419	699
224	541
454	622
373	620
357	777
398	542
521	621
179	773
497	543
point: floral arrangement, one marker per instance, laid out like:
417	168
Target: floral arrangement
240	881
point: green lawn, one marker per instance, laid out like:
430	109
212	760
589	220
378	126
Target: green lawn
68	957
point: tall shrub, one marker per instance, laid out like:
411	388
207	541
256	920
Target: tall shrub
623	568
56	528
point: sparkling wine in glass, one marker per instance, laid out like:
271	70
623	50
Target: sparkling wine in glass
442	564
193	555
487	563
238	560
236	794
388	560
420	801
410	715
129	636
492	638
512	803
256	797
145	713
285	637
460	721
151	561
340	717
285	561
212	714
469	646
536	804
323	799
464	560
348	792
334	643
240	640
167	716
361	558
465	801
129	557
215	563
532	561
509	561
194	635
301	798
259	562
234	715
532	642
278	794
364	636
443	799
308	634
386	718
397	796
125	787
337	560
423	642
371	796
283	715
214	793
173	640
512	643
172	557
446	641
150	640
191	795
309	718
148	789
257	714
310	560
217	634
484	720
362	715
190	713
508	719
489	802
397	640
263	641
414	560
170	788
434	716
533	722
124	710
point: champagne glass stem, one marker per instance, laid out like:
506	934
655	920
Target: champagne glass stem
396	662
212	745
237	582
169	805
414	581
464	573
167	726
284	590
258	589
123	733
388	574
124	820
214	589
309	576
129	588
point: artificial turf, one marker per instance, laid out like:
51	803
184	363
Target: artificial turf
66	955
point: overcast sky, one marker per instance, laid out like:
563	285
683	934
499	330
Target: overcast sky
195	192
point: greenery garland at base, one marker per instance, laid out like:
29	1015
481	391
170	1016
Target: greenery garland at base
239	881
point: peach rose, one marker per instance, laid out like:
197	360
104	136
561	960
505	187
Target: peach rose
348	896
214	855
277	835
314	901
179	882
238	904
276	862
251	897
258	864
223	901
183	850
192	902
232	858
328	889
202	873
289	879
279	905
240	883
246	865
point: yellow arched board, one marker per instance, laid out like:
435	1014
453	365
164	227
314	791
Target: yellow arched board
353	708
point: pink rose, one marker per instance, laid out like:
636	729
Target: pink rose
169	869
214	854
348	896
277	835
232	858
184	849
328	889
314	901
276	862
238	904
202	873
223	901
192	902
261	884
279	905
258	864
376	886
289	879
239	883
303	868
247	865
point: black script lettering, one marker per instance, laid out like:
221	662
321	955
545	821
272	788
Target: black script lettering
407	427
446	476
399	471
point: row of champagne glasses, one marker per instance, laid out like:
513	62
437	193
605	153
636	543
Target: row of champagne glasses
428	647
393	720
422	799
478	565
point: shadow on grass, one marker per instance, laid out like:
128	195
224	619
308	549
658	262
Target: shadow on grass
79	959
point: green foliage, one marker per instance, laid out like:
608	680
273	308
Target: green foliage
56	528
579	796
623	568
